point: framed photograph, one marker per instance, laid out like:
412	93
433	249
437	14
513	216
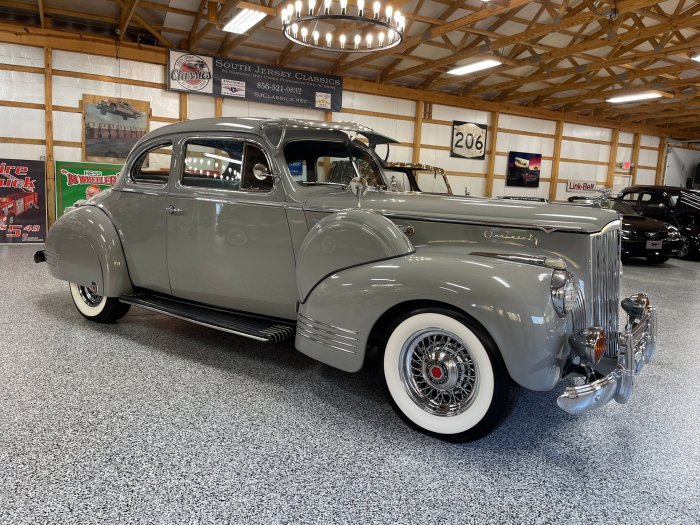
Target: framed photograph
468	140
112	126
524	169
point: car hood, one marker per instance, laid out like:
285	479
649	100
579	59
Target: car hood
497	212
642	224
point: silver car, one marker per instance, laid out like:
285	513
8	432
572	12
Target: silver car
275	229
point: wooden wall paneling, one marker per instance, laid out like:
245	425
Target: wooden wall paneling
661	162
610	181
218	106
488	189
556	157
635	157
417	131
183	107
48	113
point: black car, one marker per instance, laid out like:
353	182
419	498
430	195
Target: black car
672	204
641	236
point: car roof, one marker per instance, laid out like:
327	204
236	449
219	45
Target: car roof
667	189
257	125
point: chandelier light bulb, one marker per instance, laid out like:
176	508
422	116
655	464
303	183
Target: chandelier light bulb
295	30
327	5
391	35
369	41
312	5
397	16
343	6
298	7
315	35
304	33
342	41
360	7
329	39
380	39
357	41
389	12
290	9
402	23
377	6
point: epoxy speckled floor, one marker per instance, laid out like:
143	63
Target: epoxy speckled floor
155	420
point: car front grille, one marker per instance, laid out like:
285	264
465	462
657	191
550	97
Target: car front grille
605	285
656	235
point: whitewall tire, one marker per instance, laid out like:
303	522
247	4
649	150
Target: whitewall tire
95	307
445	377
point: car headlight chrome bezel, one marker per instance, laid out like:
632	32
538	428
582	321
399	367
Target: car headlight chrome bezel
564	292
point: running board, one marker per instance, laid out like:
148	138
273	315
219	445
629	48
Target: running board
258	328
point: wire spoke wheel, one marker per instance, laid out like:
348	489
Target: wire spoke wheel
438	371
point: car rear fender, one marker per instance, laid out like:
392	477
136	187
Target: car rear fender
83	247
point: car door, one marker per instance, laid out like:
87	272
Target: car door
228	239
654	204
138	212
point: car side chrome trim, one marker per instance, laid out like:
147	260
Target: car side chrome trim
545	262
324	343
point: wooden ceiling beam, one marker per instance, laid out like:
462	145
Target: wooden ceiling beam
543	30
127	14
42	20
164	41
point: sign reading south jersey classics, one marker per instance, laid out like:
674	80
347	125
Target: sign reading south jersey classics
226	77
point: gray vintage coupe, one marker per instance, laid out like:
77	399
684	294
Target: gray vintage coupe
273	229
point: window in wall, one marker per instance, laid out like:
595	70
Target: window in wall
154	165
224	164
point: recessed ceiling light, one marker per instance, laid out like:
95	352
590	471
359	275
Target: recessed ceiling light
634	97
474	67
244	20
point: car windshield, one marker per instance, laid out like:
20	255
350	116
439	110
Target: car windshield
620	207
330	162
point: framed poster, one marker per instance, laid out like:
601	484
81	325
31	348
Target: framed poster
81	180
112	126
468	140
230	77
22	201
524	169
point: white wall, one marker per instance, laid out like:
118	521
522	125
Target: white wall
585	150
680	164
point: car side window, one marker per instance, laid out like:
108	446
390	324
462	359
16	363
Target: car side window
153	166
224	164
653	200
630	197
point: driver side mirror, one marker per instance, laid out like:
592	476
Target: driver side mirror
261	172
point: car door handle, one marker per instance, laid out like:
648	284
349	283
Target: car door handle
172	210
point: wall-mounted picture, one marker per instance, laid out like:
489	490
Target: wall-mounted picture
112	127
22	201
468	140
524	169
81	181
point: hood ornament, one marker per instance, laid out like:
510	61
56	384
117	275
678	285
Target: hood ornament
358	187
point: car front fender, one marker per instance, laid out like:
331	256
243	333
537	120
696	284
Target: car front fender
83	247
511	301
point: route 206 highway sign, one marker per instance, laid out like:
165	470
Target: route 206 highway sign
468	140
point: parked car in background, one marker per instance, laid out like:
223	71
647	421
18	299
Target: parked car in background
251	226
406	176
641	237
672	204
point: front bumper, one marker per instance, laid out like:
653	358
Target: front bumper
636	346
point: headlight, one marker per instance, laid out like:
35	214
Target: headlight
563	288
627	234
673	231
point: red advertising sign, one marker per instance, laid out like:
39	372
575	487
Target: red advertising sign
22	201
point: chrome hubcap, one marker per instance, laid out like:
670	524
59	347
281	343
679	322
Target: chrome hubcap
438	372
89	295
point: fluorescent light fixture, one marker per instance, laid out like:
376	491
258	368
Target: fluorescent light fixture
244	20
696	57
474	67
634	97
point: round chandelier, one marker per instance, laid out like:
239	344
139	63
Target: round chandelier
333	28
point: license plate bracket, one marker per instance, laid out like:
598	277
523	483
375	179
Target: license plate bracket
655	245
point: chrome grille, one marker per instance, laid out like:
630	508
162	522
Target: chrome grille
605	285
578	312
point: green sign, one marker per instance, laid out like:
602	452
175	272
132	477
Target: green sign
81	180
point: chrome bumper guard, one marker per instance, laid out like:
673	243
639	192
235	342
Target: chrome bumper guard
636	346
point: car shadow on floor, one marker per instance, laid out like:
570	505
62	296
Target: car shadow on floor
536	423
